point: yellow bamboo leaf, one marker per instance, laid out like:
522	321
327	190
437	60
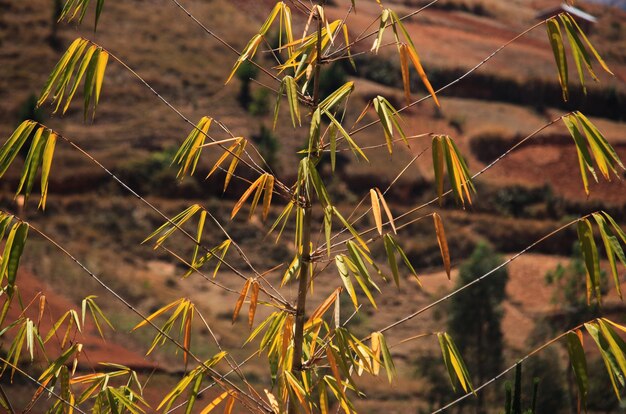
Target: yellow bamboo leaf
387	210
404	66
246	194
215	403
443	243
242	297
158	313
376	211
254	299
420	70
228	408
187	333
267	198
324	306
375	340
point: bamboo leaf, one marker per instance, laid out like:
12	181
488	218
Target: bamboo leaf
254	300
292	97
584	158
351	229
256	184
556	41
376	211
346	136
443	243
404	67
412	53
612	248
579	364
344	274
215	403
590	255
381	197
158	313
242	297
457	370
593	50
324	306
168	228
391	258
48	153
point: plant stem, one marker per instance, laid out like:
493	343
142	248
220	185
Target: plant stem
305	246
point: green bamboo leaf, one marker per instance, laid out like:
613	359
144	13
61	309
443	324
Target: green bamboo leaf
292	97
167	228
351	229
579	364
387	359
616	227
612	248
328	226
593	50
353	145
344	273
384	16
590	255
336	97
46	164
189	152
584	158
610	362
58	70
391	258
79	75
15	254
14	144
556	41
457	371
617	346
438	152
578	51
595	136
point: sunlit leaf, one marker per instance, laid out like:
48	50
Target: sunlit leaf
579	364
443	242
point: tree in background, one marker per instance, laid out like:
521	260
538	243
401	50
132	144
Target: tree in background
246	73
475	315
53	39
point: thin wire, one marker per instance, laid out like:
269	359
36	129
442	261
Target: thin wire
159	212
481	278
501	374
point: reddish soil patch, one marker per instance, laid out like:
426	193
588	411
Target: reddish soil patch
95	350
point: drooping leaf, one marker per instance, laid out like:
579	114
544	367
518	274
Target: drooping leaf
444	149
68	73
556	41
590	256
455	365
579	364
443	242
76	10
189	152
